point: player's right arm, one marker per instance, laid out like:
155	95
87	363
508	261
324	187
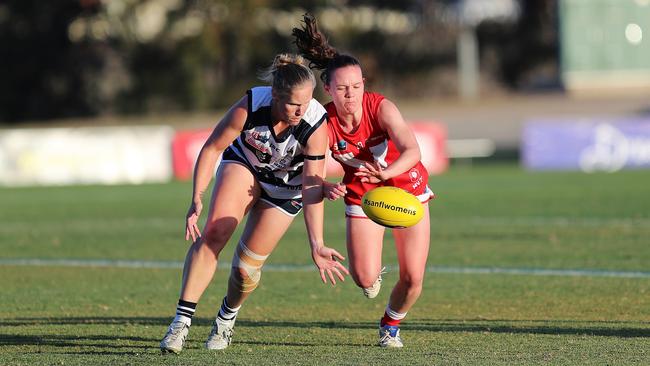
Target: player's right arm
391	120
224	133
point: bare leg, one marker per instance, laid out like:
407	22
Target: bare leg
412	246
364	245
264	229
235	191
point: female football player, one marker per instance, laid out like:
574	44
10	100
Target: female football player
369	138
275	142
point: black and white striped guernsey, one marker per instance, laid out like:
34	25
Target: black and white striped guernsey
276	162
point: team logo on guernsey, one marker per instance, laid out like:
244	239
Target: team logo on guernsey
360	144
258	141
416	178
414	174
341	145
261	138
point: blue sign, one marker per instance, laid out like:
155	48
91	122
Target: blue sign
587	145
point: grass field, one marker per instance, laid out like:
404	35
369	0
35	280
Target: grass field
524	268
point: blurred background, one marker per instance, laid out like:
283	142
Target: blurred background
497	79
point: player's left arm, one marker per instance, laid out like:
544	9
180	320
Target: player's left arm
391	120
312	195
332	190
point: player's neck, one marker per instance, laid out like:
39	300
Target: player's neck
350	122
280	128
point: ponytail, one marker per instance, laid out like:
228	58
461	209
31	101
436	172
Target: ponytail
313	45
286	72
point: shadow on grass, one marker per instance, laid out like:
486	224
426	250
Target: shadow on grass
57	340
622	329
555	327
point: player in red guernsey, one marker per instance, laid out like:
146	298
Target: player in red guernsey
375	146
368	142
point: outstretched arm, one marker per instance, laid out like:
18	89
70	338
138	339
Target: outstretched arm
223	134
325	258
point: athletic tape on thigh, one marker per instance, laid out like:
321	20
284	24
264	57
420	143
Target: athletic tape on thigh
246	268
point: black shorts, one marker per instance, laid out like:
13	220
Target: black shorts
290	206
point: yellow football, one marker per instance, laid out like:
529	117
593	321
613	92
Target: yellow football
392	207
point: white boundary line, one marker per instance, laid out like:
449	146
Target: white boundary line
35	262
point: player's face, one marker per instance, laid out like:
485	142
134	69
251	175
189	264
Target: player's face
291	107
346	89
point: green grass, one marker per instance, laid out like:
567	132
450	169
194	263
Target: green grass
486	216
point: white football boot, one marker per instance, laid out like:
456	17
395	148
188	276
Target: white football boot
389	337
175	338
372	291
221	334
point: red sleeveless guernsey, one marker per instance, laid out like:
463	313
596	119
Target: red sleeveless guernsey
369	143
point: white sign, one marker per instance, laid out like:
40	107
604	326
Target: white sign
85	155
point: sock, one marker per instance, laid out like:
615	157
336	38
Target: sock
185	311
226	312
391	317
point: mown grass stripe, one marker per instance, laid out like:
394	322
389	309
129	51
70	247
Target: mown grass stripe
306	268
561	221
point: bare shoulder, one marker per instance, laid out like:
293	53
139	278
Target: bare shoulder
235	118
388	113
386	103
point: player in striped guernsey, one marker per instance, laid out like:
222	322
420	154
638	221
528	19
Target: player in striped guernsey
272	143
276	161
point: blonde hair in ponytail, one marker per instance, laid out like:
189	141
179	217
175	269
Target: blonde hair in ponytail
286	72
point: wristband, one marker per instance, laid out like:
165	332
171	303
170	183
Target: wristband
314	157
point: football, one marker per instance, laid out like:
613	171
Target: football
392	207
